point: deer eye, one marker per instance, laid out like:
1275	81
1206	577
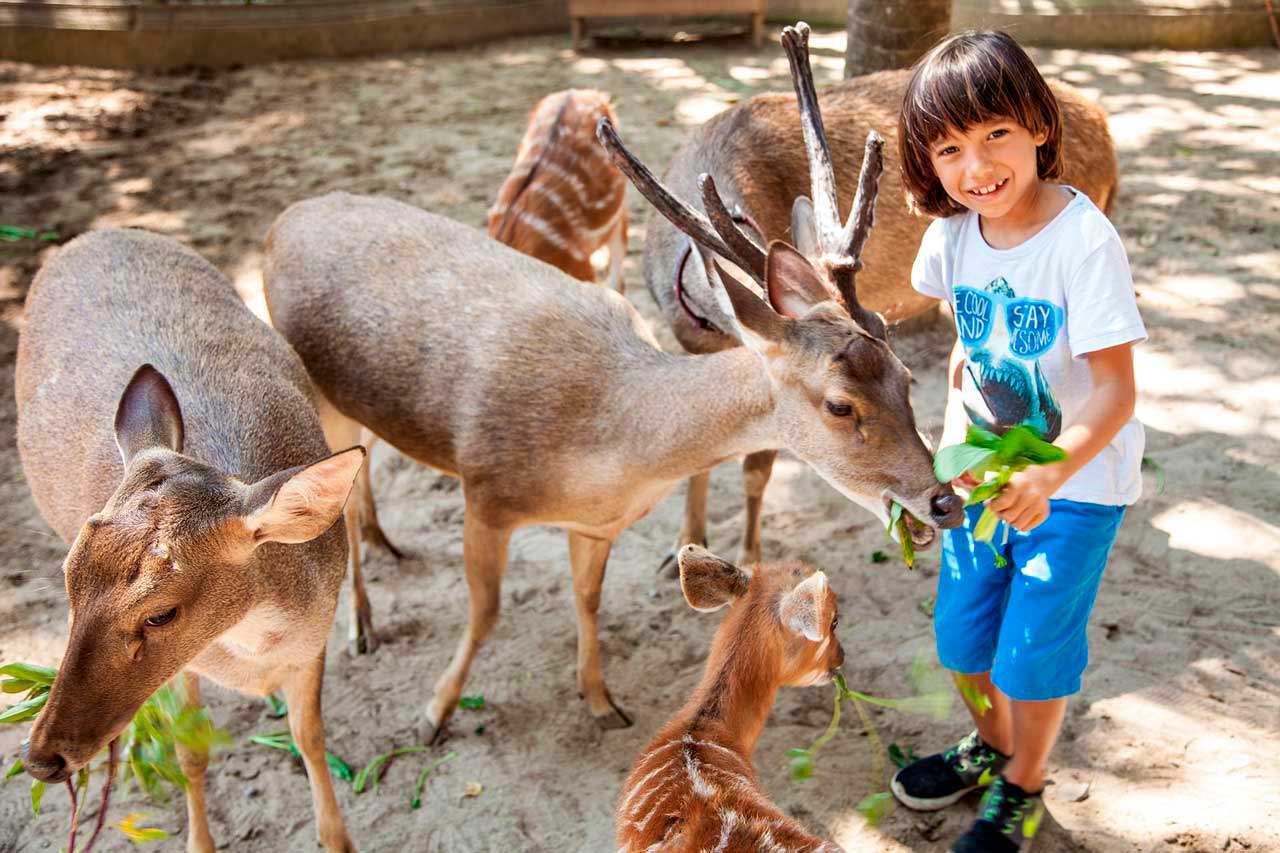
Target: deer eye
161	618
840	410
835	623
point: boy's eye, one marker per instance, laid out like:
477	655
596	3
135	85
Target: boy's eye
950	149
998	132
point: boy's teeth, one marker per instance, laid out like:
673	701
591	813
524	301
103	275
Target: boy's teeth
989	188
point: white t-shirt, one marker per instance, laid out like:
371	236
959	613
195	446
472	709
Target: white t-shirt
1011	307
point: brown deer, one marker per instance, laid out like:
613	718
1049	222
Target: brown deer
754	153
553	404
695	788
201	523
563	199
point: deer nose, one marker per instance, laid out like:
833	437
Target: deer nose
45	766
948	510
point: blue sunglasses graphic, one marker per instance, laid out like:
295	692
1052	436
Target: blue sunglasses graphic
1032	324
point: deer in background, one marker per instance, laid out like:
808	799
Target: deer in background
552	403
695	788
755	154
199	504
563	199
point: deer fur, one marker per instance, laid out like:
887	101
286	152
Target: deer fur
563	199
553	404
755	152
695	788
199	503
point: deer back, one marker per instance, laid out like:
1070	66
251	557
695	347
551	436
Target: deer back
756	153
563	196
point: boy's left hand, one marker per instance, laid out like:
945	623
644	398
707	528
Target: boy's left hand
1024	501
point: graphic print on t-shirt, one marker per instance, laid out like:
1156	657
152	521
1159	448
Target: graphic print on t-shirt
1003	337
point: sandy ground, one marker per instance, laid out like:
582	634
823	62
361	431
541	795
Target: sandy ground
1177	731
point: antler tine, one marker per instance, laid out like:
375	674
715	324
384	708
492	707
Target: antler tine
682	216
746	254
862	216
795	41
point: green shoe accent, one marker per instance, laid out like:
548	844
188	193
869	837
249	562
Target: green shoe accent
988	776
1031	825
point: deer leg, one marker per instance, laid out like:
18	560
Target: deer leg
618	252
302	693
193	763
589	557
484	551
694	530
756	470
370	529
361	637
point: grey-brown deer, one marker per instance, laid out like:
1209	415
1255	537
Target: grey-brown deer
694	787
755	154
563	199
553	404
199	503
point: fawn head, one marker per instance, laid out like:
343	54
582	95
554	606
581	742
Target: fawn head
842	401
787	611
167	566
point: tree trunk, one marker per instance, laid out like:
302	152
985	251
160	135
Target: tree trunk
887	34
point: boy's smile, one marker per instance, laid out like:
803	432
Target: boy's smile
990	168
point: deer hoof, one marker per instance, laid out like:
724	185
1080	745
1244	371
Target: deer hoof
614	718
376	537
364	640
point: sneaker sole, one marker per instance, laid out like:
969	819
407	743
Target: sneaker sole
936	804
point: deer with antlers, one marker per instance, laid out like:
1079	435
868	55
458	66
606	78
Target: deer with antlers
553	404
753	151
563	199
199	503
695	788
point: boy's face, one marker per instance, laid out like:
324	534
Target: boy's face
990	167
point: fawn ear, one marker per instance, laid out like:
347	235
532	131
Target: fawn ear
801	609
148	415
709	582
299	504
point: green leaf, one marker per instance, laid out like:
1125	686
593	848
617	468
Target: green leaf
138	834
900	758
24	711
16	685
422	778
986	490
876	807
952	461
980	701
15	770
362	778
37	794
471	703
926	606
1023	445
1149	464
908	547
986	526
338	767
801	767
976	436
879	557
29	672
276	706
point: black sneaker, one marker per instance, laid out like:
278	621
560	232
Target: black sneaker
1007	817
939	780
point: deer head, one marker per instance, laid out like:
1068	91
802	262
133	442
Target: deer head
842	401
793	617
169	564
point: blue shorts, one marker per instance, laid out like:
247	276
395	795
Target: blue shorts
1024	622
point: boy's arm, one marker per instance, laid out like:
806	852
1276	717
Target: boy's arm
955	422
1024	502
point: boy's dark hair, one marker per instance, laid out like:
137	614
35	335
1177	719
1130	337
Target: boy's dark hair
967	79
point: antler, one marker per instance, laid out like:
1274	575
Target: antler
841	247
719	234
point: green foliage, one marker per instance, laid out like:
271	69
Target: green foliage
1149	464
471	703
138	834
422	778
276	707
14	234
879	557
362	778
876	807
980	701
902	759
283	740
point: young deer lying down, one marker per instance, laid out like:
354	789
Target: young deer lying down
756	154
553	404
563	199
694	788
199	504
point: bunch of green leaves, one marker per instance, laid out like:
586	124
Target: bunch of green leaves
281	739
34	681
992	460
932	696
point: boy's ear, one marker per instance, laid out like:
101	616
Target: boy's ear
801	609
709	582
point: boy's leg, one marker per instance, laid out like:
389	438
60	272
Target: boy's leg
1035	730
993	718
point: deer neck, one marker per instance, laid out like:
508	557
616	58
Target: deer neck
736	693
699	411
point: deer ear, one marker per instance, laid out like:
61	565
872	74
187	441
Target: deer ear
709	582
759	323
148	415
801	609
793	284
299	504
804	229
